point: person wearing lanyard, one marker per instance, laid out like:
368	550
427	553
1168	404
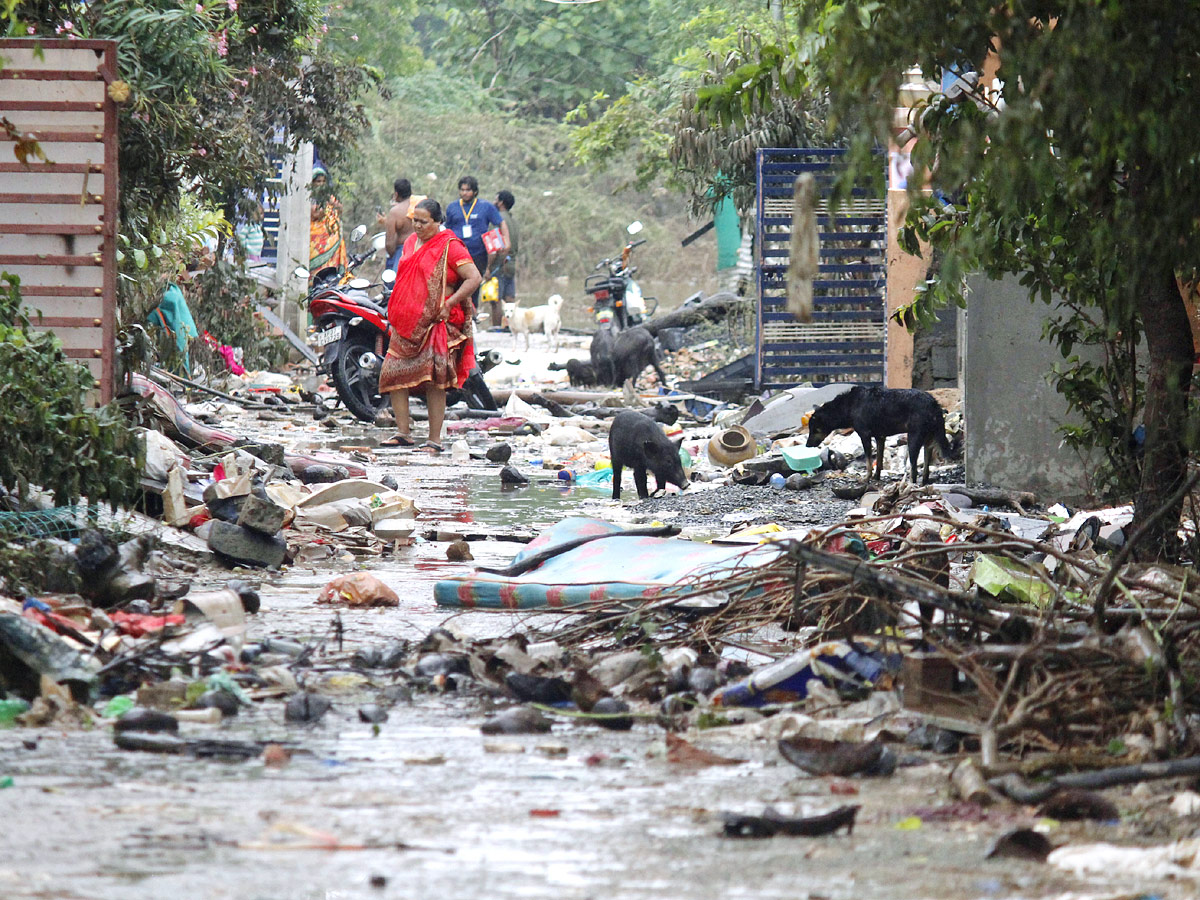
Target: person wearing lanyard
469	218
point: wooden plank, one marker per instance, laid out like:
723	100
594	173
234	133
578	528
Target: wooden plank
87	118
88	309
52	181
88	354
53	53
13	74
51	92
53	107
74	135
88	198
41	320
53	213
87	340
41	169
66	153
58	290
72	276
50	244
11	228
9	260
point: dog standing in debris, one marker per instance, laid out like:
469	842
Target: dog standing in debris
544	318
876	412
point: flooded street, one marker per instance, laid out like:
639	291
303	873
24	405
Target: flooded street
423	804
426	805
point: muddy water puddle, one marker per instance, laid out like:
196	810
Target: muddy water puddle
437	809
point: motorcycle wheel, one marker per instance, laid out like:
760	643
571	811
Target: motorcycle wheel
357	391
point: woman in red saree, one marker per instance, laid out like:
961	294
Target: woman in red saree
431	321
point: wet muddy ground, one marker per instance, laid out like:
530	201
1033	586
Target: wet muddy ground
424	805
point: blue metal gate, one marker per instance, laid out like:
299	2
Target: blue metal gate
845	341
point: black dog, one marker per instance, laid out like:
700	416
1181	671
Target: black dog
875	412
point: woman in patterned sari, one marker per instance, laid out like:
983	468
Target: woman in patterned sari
431	317
325	244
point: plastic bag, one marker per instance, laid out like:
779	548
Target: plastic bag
358	589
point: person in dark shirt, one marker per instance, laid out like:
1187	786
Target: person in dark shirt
507	261
469	217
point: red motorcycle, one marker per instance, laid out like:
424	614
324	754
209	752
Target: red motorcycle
350	334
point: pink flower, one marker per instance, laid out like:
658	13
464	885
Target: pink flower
254	70
354	37
68	25
232	5
222	43
199	9
202	152
324	28
30	30
253	29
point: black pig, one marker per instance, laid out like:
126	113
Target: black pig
601	351
632	351
638	441
580	373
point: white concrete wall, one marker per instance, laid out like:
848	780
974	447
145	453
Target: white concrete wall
294	208
1011	409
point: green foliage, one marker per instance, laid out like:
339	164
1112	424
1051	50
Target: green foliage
50	438
376	33
544	59
569	215
718	130
657	124
1076	171
222	300
1103	386
212	87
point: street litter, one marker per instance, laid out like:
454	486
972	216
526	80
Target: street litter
772	823
358	589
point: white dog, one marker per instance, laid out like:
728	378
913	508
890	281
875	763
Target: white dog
543	318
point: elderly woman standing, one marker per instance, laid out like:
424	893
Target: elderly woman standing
430	314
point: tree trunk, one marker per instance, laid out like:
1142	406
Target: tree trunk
1164	467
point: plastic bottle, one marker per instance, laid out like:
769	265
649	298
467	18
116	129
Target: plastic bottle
566	475
117	706
10	708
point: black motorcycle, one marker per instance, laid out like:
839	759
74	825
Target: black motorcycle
616	298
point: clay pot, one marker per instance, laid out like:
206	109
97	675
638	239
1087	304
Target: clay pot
731	446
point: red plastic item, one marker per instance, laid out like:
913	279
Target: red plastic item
139	624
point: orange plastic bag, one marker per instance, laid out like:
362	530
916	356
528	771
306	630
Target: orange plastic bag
358	589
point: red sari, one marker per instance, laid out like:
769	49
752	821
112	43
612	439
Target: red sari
426	346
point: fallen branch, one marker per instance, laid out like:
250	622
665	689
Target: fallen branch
1015	787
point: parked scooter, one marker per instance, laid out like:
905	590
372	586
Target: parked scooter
350	332
617	299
